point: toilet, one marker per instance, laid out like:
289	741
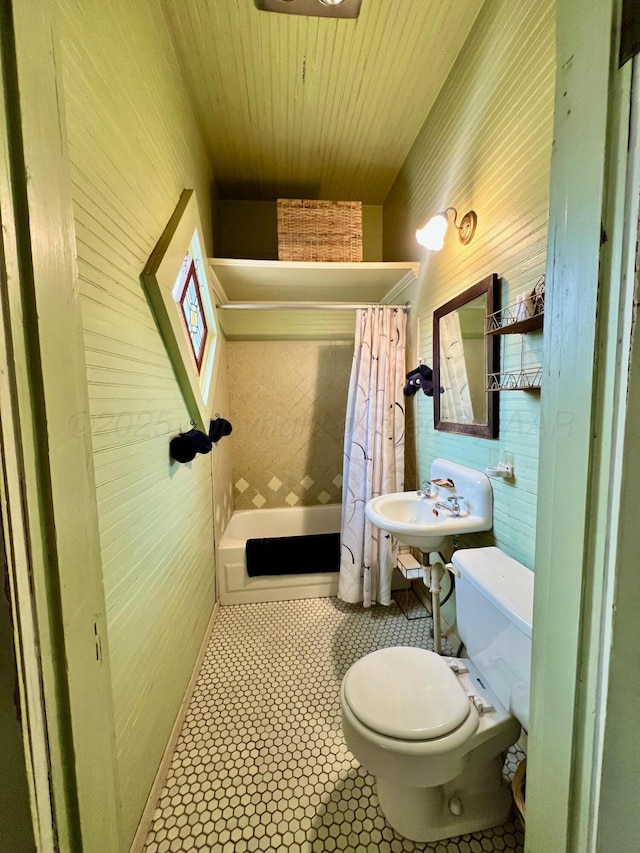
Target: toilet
433	730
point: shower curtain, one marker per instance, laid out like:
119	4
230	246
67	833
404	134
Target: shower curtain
373	453
455	403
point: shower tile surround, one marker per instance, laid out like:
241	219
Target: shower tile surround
287	404
261	764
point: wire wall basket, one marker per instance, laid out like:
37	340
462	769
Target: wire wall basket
526	379
525	315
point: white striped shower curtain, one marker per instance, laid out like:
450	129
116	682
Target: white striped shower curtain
373	452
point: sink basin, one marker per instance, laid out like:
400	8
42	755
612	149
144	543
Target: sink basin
416	521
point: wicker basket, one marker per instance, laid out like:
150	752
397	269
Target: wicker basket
518	787
319	230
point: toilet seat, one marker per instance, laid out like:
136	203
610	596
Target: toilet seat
406	693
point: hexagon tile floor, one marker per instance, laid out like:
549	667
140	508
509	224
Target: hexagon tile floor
261	764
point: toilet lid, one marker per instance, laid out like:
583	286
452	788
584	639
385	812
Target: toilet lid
406	693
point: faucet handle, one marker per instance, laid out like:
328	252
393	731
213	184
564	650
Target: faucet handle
454	500
425	491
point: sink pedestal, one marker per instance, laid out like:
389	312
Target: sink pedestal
436	573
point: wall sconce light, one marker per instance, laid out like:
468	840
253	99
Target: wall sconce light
431	235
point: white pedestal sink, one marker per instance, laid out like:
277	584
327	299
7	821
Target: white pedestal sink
417	521
421	522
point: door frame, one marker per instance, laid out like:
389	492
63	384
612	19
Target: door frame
573	566
15	475
589	315
49	445
616	818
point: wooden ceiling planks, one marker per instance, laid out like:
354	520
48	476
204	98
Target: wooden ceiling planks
313	107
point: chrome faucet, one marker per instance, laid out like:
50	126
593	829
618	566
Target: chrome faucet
426	490
454	508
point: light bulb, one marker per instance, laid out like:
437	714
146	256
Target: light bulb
431	235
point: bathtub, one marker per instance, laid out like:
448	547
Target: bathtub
234	584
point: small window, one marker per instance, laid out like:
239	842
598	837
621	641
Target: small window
176	281
193	314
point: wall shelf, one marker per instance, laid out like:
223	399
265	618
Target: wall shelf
518	319
239	283
237	280
528	379
510	320
517	327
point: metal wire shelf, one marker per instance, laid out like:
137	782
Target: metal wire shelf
509	321
526	379
521	317
525	316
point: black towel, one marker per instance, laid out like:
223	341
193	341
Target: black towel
293	555
421	377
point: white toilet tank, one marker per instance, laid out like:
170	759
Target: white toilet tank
494	608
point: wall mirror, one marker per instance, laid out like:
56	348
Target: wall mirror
462	357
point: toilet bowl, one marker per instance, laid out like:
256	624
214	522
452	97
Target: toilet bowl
433	730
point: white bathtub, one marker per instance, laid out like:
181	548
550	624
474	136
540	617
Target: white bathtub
234	584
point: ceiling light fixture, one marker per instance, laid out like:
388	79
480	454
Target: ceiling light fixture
432	233
313	8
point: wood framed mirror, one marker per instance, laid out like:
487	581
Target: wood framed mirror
463	355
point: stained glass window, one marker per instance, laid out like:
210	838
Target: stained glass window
192	309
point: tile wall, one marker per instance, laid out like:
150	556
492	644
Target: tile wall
287	405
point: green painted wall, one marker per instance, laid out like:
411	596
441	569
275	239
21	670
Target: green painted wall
246	229
310	325
134	145
486	146
372	232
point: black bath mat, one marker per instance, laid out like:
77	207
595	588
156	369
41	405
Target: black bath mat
293	555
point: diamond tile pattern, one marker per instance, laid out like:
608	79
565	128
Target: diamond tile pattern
261	763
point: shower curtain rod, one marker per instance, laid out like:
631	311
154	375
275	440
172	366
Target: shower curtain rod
297	306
